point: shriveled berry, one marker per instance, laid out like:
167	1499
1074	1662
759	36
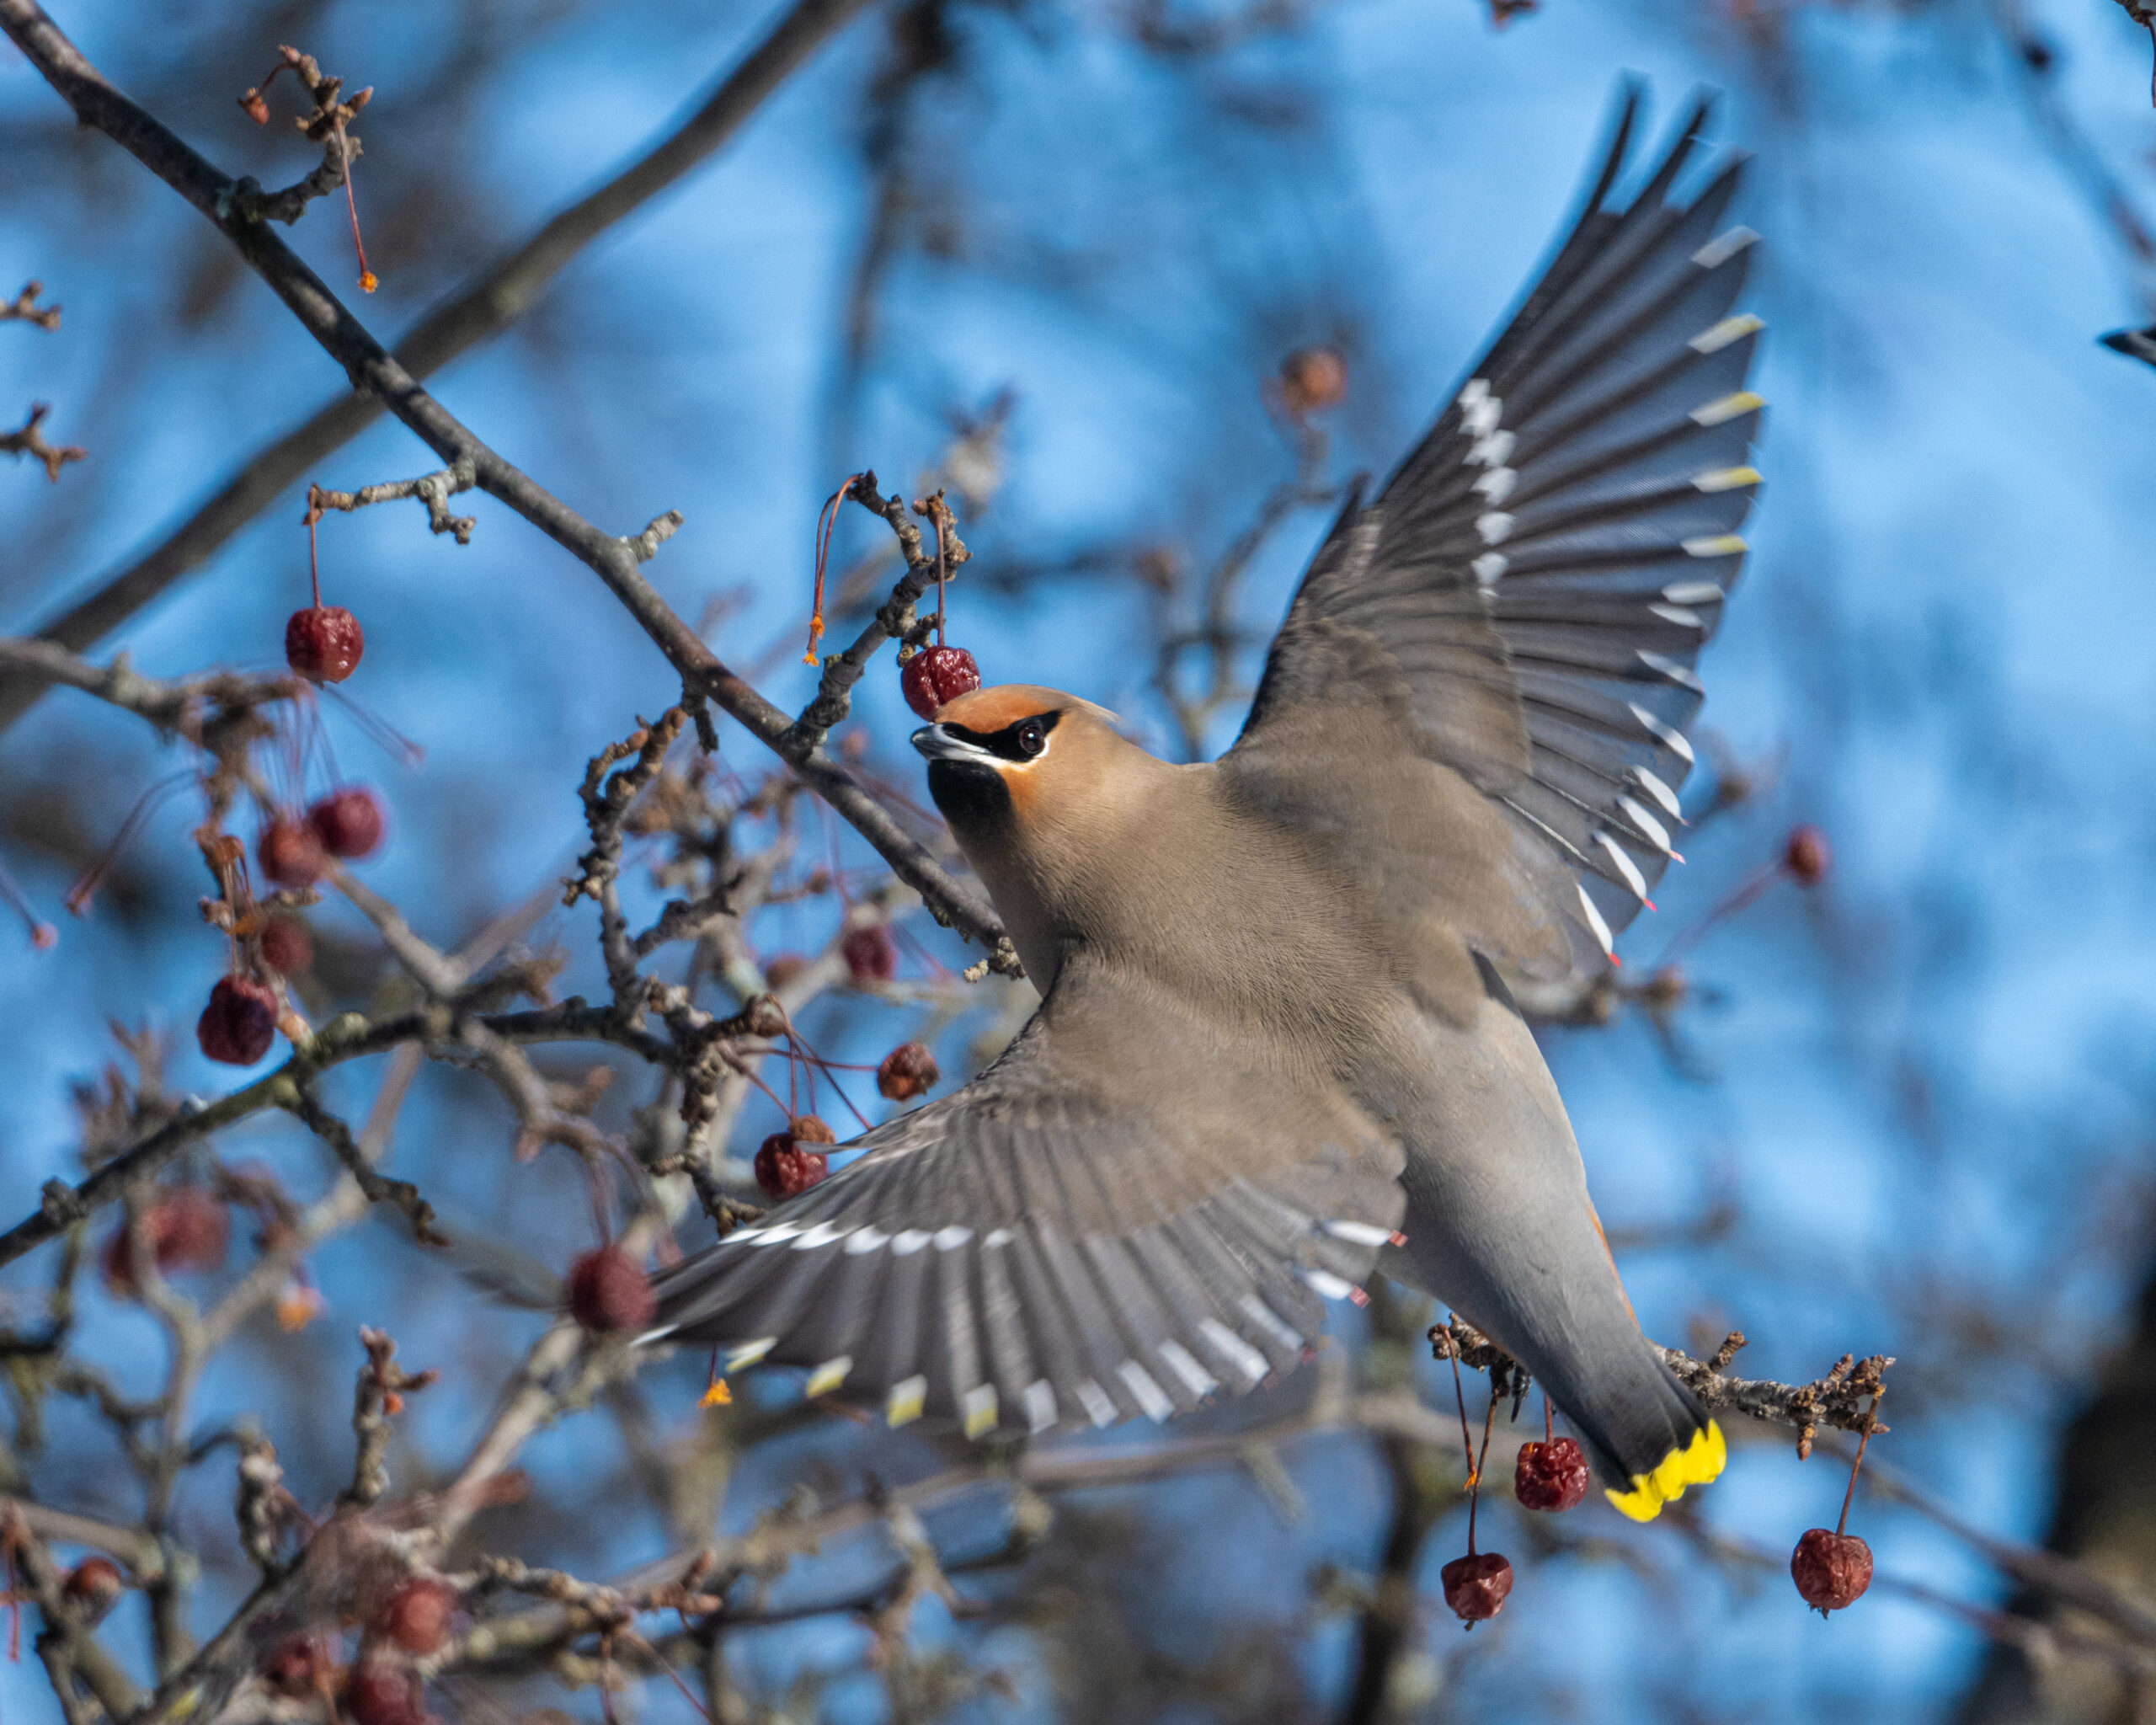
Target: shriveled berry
1475	1586
185	1229
1831	1570
380	1691
286	948
785	1170
1313	379
812	1129
608	1291
348	822
908	1070
1807	856
290	853
417	1614
783	969
1552	1476
93	1585
870	955
240	1022
324	643
935	674
295	1666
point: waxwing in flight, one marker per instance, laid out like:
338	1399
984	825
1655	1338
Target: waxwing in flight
1275	1048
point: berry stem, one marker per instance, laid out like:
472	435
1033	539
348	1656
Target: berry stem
942	568
351	204
1870	1419
313	562
1548	1421
827	520
1466	1436
1475	1478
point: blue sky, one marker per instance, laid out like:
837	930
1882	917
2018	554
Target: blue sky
1927	1089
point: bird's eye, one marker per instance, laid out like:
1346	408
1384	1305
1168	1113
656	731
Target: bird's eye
1032	737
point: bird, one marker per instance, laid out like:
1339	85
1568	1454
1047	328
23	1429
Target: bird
1278	1049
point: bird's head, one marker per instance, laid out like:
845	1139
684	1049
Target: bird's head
1034	783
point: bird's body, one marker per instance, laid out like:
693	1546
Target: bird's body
1275	1047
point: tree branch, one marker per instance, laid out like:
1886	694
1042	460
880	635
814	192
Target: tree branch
372	369
474	314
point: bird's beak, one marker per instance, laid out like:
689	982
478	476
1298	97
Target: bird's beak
939	744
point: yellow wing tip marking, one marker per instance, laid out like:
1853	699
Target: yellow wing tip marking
1695	1464
980	1410
904	1404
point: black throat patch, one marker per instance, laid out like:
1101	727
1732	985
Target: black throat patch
971	795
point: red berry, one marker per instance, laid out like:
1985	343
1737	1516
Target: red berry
240	1022
1475	1586
324	643
348	822
608	1291
381	1692
290	853
870	955
908	1070
295	1666
784	1169
186	1229
1552	1476
417	1615
92	1586
286	947
1831	1570
1808	856
935	674
1312	379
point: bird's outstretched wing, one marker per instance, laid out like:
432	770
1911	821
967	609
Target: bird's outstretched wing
1530	592
1119	1217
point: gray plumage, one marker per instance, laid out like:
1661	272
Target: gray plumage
1274	1038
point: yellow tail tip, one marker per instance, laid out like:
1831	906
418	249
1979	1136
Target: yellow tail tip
716	1394
1694	1465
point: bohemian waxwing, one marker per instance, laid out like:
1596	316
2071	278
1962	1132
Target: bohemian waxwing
1275	1048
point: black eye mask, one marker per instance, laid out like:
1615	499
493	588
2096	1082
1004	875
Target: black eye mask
1021	742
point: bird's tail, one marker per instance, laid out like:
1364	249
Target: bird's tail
1648	1434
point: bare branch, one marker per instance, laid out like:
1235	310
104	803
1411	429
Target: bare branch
23	308
170	705
30	441
474	314
378	1188
894	620
377	1399
433	489
97	102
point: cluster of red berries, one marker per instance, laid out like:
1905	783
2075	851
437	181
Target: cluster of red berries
1831	1567
347	824
380	1688
1551	1475
784	1168
323	644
